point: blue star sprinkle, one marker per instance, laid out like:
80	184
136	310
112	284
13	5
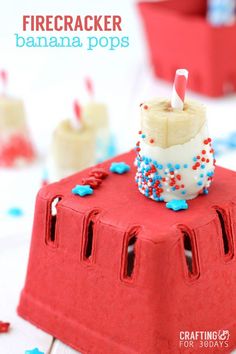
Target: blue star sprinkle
119	167
82	190
15	212
176	205
34	351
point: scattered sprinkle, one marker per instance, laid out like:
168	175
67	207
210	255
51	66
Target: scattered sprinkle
15	212
210	174
34	351
119	167
92	181
4	327
82	190
176	205
145	107
99	173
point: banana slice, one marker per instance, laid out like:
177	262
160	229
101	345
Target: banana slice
164	126
95	115
12	115
72	149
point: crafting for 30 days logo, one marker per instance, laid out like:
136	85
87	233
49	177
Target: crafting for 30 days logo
204	339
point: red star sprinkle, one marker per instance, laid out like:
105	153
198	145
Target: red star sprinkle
99	173
92	181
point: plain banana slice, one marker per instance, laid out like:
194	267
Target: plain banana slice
73	149
12	115
164	126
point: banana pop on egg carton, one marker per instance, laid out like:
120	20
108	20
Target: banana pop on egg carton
175	155
175	159
123	274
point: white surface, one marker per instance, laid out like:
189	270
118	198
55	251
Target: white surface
61	348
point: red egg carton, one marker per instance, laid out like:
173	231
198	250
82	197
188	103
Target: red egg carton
115	272
179	35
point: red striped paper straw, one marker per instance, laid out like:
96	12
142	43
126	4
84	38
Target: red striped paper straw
179	89
77	110
89	87
76	117
3	79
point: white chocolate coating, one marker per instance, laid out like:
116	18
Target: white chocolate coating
179	171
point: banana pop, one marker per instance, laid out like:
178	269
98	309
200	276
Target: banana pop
175	158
